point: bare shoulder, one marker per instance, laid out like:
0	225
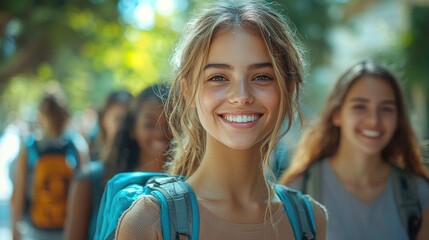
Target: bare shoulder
141	220
321	216
80	188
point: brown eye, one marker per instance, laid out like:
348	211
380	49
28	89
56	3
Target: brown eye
388	109
359	107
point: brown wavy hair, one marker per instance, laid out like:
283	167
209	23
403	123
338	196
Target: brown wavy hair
53	106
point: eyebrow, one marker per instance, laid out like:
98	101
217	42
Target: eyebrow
229	67
359	99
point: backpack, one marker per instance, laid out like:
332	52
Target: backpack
179	208
404	188
51	168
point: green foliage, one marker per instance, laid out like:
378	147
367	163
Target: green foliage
82	46
311	21
416	45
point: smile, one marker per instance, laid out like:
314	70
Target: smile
241	118
370	133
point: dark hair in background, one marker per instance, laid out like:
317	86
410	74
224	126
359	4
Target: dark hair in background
120	97
124	155
53	107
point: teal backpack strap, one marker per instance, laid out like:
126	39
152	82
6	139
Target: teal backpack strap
71	152
299	211
178	208
312	181
32	151
407	201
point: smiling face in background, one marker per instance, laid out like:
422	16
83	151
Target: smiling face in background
151	130
239	98
368	116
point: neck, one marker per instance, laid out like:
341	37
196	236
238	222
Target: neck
50	134
355	166
230	174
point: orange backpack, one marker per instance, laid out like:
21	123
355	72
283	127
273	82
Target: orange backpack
51	169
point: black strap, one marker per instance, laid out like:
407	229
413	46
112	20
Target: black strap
407	201
312	181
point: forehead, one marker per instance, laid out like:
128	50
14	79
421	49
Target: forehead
372	87
151	109
116	108
237	45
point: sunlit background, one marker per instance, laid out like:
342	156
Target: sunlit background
90	47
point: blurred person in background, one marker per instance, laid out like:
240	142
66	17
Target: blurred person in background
109	120
141	144
361	159
44	169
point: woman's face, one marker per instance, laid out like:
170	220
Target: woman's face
151	130
368	116
238	102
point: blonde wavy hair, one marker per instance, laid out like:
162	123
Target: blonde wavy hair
322	138
191	53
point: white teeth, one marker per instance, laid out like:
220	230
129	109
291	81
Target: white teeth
370	133
241	118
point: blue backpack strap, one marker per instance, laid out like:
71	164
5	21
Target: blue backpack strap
407	201
32	151
72	154
178	208
299	211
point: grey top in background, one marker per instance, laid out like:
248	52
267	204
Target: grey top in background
350	218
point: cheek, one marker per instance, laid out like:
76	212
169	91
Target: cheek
274	100
209	99
141	134
271	99
392	123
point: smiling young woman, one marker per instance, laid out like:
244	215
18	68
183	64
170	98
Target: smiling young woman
237	80
358	156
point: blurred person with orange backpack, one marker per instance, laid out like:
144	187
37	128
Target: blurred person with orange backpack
44	170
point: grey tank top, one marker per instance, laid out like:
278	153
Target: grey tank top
352	219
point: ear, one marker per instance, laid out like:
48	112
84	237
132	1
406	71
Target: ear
336	118
185	92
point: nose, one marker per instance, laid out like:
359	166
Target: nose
240	93
374	117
